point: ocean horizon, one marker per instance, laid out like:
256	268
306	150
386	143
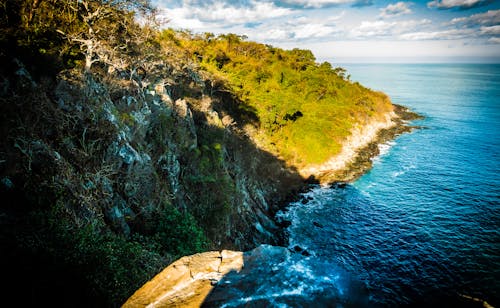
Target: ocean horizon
339	61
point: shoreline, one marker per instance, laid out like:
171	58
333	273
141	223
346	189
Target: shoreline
356	157
193	278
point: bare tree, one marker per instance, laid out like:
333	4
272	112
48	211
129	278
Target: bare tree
105	29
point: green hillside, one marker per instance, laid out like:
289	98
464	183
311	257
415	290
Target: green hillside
303	109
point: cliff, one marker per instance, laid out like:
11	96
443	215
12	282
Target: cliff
124	147
134	162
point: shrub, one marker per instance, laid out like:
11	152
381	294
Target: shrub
179	233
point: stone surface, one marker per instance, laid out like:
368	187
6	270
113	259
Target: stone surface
188	281
267	276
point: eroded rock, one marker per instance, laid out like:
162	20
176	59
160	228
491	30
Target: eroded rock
188	281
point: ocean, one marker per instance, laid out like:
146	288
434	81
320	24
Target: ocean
423	225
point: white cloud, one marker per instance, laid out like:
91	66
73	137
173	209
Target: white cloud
299	30
312	31
273	35
221	14
181	18
373	29
399	8
449	4
494	40
490	18
492	30
452	34
316	3
335	18
385	29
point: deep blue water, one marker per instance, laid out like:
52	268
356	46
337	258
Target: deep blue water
423	226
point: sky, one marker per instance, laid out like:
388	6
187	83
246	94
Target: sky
353	30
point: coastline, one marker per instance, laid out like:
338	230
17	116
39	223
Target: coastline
193	278
361	147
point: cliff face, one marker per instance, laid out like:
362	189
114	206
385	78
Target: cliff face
149	162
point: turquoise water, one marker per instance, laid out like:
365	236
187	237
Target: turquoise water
423	226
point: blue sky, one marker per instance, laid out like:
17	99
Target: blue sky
358	30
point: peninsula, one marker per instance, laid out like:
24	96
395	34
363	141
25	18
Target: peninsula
125	146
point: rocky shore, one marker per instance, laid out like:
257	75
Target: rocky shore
362	146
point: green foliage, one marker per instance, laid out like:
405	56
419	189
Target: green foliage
179	234
127	119
84	264
277	84
210	187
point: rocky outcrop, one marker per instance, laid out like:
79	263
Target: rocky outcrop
267	276
188	281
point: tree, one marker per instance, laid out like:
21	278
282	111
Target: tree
106	28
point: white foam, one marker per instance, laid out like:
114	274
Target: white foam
385	147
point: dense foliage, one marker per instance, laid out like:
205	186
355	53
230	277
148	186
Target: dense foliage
304	109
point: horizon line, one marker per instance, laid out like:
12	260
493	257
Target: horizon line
412	60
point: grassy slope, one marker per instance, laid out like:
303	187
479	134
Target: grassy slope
305	110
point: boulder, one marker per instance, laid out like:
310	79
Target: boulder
188	281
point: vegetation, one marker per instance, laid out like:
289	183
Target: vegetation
305	110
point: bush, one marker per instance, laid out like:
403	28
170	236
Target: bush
179	233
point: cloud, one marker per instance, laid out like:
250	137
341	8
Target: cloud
494	40
493	30
373	29
300	29
312	31
485	25
314	3
461	4
385	29
399	8
193	14
490	18
322	3
362	3
452	34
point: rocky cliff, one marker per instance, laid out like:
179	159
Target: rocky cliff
152	161
124	147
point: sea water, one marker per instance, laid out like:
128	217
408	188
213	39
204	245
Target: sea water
421	228
423	225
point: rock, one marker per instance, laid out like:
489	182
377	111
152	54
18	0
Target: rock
231	261
297	249
7	183
305	253
185	119
171	169
128	154
317	224
338	185
118	214
188	281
